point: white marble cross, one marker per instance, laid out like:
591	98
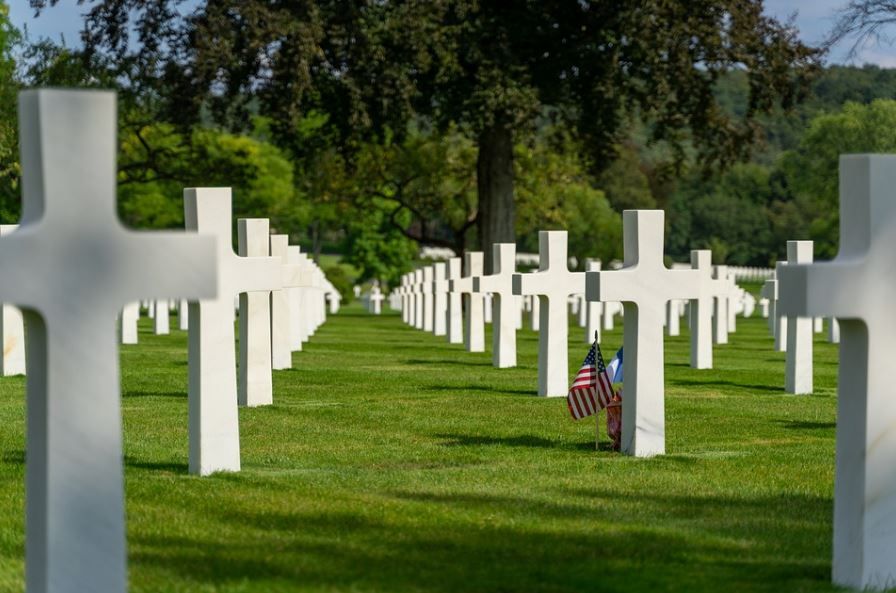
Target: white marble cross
298	302
474	320
610	310
858	288
376	300
214	425
768	293
183	314
334	298
582	309
673	319
454	319
701	310
418	299
593	309
552	283
798	359
130	316
505	306
440	299
405	298
162	321
833	331
644	285
72	267
780	319
720	320
256	383
292	276
426	290
12	330
534	312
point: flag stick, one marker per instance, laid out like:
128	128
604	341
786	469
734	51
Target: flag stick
597	415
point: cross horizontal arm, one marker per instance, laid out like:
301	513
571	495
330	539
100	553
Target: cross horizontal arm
807	290
632	285
112	268
493	283
549	283
257	274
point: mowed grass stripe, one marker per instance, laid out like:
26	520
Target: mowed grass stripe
392	461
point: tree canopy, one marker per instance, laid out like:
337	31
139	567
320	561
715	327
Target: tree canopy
490	69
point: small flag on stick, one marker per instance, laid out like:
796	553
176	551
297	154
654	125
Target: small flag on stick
591	390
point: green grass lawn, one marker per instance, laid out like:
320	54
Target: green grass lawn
392	461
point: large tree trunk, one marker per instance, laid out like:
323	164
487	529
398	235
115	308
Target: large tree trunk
494	181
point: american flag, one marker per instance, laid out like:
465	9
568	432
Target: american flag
591	390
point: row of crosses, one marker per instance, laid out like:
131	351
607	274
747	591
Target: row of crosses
72	267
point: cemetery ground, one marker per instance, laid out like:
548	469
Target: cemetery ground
392	461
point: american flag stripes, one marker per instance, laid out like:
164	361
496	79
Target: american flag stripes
591	390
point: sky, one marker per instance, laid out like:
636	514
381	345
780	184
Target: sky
814	18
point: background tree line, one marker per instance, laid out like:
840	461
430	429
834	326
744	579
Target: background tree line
370	130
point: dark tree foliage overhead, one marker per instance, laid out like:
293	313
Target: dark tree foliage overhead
489	67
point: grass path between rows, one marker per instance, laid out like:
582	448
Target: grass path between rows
394	462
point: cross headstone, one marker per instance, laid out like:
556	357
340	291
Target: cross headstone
405	298
644	285
419	307
426	291
183	315
534	312
833	331
767	294
440	299
582	308
12	330
334	299
720	320
130	316
798	360
701	308
673	319
376	300
593	309
858	287
735	296
162	321
487	307
454	320
505	306
298	302
610	310
212	394
552	283
780	319
256	384
292	276
72	266
474	321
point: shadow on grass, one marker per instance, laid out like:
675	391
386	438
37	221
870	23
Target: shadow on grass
468	541
523	440
806	425
174	394
168	466
488	388
710	383
15	457
466	363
